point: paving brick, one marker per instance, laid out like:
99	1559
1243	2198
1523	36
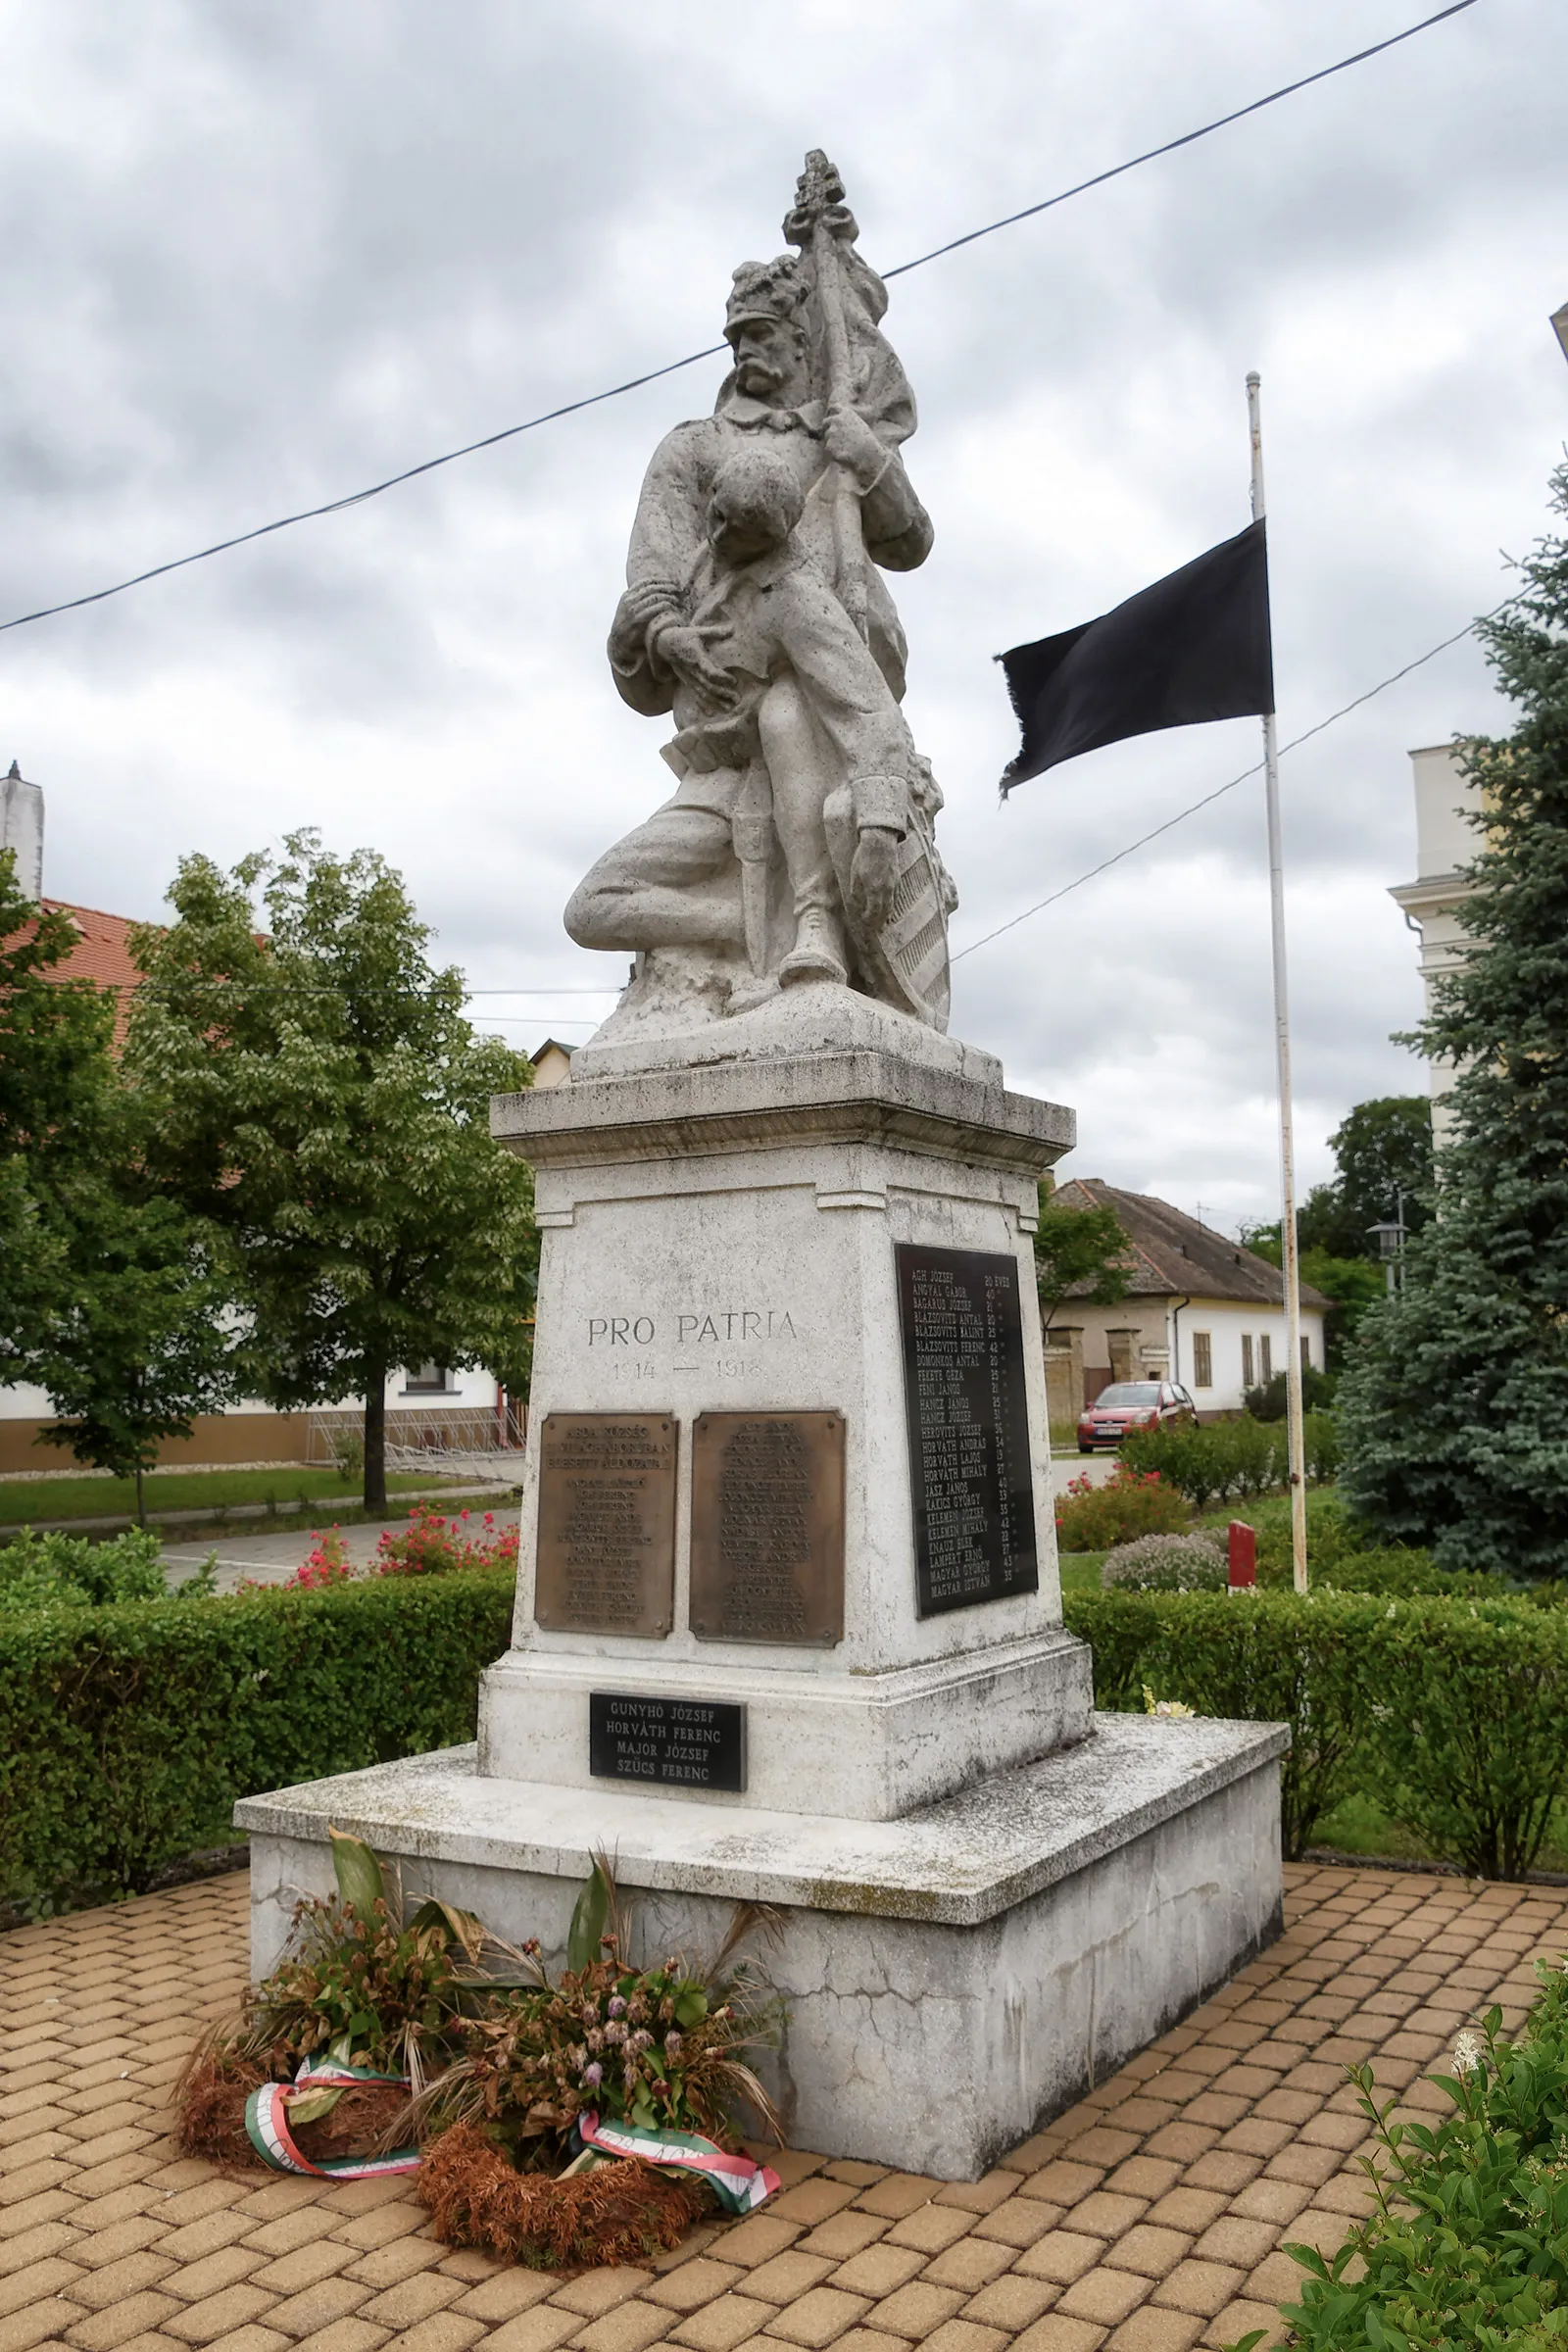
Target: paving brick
107	2330
868	2339
306	2266
290	2229
845	2234
39	2244
812	2201
878	2271
1065	2255
814	2320
1019	2222
412	2300
219	2315
402	2258
1239	2319
321	2306
1104	2296
1202	2287
717	2328
1012	2302
130	2276
978	2196
631	2327
599	2292
1151	2331
1149	2250
503	2295
37	2323
757	2239
932	2227
1106	2215
1057	2333
541	2330
1062	2183
896	2195
252	2339
344	2335
964	2336
970	2264
443	2332
209	2236
794	2273
49	2205
689	2288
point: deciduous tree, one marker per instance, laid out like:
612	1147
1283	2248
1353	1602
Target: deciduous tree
317	1092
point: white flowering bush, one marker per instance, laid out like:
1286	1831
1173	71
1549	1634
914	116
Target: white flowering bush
1188	1563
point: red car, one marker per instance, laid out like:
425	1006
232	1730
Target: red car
1131	1404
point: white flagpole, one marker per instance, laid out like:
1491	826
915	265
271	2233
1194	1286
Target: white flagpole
1282	1050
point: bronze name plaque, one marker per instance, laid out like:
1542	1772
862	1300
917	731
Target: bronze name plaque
606	1562
768	1528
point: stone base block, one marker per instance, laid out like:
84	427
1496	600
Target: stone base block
897	1740
953	1977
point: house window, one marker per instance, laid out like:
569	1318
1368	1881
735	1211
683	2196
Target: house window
1265	1357
1306	1352
1248	1376
428	1380
1203	1360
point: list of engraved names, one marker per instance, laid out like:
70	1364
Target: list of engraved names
607	1524
969	1461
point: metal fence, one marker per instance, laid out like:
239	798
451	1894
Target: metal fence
481	1441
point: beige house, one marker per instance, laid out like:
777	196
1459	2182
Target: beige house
1445	840
1199	1310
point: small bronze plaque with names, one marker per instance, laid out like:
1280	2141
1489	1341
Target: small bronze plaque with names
768	1528
681	1742
969	1464
606	1562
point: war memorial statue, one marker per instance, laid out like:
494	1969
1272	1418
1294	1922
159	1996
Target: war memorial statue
788	1625
799	843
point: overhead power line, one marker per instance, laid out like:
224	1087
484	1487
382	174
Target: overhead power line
1220	790
634	384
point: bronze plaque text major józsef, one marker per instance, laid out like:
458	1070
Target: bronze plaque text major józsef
607	1524
768	1528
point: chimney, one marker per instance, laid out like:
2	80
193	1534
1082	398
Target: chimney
21	829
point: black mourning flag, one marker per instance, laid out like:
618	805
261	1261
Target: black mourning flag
1194	647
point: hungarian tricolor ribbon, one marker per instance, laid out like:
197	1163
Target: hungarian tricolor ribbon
267	2123
739	2185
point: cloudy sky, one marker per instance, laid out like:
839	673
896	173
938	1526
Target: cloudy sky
256	254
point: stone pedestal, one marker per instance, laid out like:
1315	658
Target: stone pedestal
788	1491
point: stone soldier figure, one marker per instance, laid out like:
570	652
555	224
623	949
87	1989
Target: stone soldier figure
798	846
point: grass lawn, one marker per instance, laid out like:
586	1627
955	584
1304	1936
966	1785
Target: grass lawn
1080	1570
295	1488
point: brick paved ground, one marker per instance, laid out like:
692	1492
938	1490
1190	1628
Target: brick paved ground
1146	2219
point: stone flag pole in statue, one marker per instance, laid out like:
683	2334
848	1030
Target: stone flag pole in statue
797	847
787	1624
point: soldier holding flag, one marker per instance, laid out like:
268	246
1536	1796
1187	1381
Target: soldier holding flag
798	846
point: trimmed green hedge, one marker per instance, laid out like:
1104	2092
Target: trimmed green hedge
1454	1711
126	1733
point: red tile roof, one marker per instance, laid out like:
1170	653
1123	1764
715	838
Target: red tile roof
1171	1254
101	955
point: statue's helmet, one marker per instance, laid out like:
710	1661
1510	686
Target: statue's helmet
776	289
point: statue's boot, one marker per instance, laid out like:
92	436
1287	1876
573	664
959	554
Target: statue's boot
818	952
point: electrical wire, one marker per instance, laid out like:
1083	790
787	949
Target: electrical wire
1220	790
634	384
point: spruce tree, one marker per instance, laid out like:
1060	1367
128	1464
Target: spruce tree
1456	1406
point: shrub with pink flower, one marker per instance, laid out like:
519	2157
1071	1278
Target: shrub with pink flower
327	1564
432	1545
1132	1503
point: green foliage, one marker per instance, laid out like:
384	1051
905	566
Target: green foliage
1467	2247
1456	1710
1249	1657
319	1096
1079	1249
589	1913
1214	1461
1269	1400
54	1570
126	1733
1456	1403
1090	1518
82	1496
